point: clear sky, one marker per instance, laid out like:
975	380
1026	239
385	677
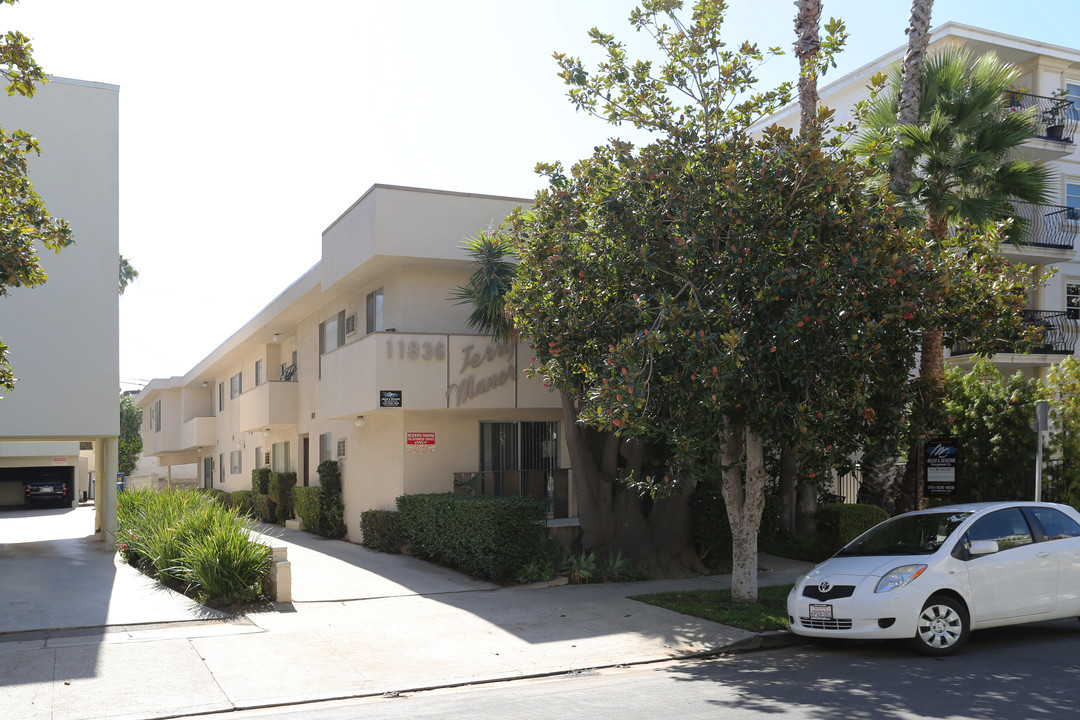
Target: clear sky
248	126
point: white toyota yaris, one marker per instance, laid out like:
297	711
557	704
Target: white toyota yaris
935	575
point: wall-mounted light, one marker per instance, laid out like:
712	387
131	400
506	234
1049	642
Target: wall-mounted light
359	421
240	445
205	384
198	449
266	433
277	337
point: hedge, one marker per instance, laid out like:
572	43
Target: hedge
307	506
264	508
260	479
711	529
486	537
837	525
280	489
382	530
241	501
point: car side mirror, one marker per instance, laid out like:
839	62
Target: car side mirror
983	547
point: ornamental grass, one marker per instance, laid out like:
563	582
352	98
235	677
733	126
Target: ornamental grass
186	540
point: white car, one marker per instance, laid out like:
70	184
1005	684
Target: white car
935	575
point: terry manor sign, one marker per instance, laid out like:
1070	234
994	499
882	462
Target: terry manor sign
390	398
940	456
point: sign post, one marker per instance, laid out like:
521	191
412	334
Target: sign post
940	458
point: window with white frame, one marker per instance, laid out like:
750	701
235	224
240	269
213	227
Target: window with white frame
341	448
235	461
279	457
155	416
374	311
221	396
258	456
221	467
260	372
236	385
325	444
1072	200
1072	298
332	333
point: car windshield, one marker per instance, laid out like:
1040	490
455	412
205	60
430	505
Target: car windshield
906	535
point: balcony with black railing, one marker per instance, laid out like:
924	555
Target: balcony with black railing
1045	226
288	373
1056	330
1053	118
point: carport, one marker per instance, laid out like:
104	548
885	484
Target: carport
14	479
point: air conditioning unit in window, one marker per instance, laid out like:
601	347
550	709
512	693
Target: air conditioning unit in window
350	324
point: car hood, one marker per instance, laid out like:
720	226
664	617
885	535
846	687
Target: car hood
865	566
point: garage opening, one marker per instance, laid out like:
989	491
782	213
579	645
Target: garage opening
54	485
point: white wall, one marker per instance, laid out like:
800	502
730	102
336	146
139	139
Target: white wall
64	336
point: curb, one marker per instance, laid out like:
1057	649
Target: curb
765	641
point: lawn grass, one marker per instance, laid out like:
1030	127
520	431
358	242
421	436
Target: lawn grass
769	613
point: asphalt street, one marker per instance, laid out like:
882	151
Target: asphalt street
1019	673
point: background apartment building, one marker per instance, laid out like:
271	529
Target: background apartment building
1050	81
64	335
366	360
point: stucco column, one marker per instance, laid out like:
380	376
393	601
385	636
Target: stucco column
106	490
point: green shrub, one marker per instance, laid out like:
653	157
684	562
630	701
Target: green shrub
264	508
486	537
837	525
241	500
218	495
260	480
308	508
382	530
190	541
330	517
280	489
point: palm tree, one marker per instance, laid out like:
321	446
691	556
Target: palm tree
807	46
486	288
909	94
959	146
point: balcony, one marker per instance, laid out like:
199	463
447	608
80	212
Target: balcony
1043	234
1058	339
549	486
1054	123
198	431
270	405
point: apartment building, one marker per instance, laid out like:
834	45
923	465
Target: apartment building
365	360
64	335
1050	82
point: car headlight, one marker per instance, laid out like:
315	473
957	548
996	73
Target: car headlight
899	577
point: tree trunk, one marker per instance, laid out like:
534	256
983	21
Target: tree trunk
789	466
910	100
880	480
745	499
806	519
656	535
807	46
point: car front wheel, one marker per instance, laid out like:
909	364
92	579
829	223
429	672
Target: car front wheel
943	627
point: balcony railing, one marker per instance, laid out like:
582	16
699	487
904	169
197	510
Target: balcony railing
549	486
1045	226
1055	328
288	373
1054	118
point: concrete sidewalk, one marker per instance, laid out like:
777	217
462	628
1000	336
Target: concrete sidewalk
361	623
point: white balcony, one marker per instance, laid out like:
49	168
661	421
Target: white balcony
270	405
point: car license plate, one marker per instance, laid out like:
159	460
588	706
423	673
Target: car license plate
46	489
821	612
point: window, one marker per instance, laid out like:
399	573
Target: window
325	443
1072	94
374	311
259	456
236	385
341	448
1072	298
350	324
235	461
1072	201
279	457
155	416
221	467
1007	528
519	446
208	471
1055	524
221	396
260	372
332	333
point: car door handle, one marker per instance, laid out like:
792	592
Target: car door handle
1045	553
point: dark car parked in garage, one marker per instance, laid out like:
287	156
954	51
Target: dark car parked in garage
52	491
